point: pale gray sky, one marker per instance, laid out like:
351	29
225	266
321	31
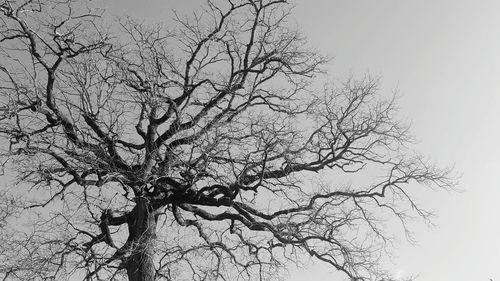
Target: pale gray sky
444	58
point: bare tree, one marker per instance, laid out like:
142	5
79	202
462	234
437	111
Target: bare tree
202	152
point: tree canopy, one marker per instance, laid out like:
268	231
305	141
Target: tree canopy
200	151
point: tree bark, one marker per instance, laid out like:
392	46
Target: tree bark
142	235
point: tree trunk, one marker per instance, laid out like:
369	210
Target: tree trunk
142	235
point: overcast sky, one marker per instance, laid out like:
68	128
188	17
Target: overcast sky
444	59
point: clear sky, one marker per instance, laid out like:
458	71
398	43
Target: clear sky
444	59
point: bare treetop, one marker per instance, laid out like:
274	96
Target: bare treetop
193	153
